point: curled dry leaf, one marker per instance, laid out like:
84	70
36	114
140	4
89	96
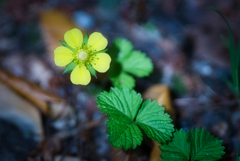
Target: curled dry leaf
48	103
21	113
161	94
120	154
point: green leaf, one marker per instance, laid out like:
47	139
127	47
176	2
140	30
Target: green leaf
237	156
233	55
123	132
238	55
205	146
155	123
91	70
120	101
199	145
229	29
226	42
67	46
85	40
124	46
115	69
231	86
178	149
113	51
102	51
122	106
123	80
69	67
138	64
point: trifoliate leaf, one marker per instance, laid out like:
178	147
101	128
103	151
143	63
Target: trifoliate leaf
155	123
69	67
125	47
205	146
178	149
67	46
91	70
120	101
85	40
123	80
122	105
123	132
138	64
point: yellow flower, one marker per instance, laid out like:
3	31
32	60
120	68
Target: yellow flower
83	55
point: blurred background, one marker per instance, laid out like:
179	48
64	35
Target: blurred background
43	116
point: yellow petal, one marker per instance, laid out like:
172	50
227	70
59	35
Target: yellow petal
62	56
97	42
80	75
101	62
74	38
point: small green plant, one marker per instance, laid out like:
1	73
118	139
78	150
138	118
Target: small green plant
127	114
192	146
234	56
127	61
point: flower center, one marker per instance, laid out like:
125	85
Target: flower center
82	55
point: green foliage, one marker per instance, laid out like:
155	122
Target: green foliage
178	85
194	145
124	46
205	146
123	125
234	54
123	132
137	63
85	40
67	46
120	101
131	62
152	119
237	156
69	67
178	148
91	70
123	80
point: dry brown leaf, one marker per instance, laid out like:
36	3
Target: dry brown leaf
48	103
155	153
121	155
20	112
161	94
